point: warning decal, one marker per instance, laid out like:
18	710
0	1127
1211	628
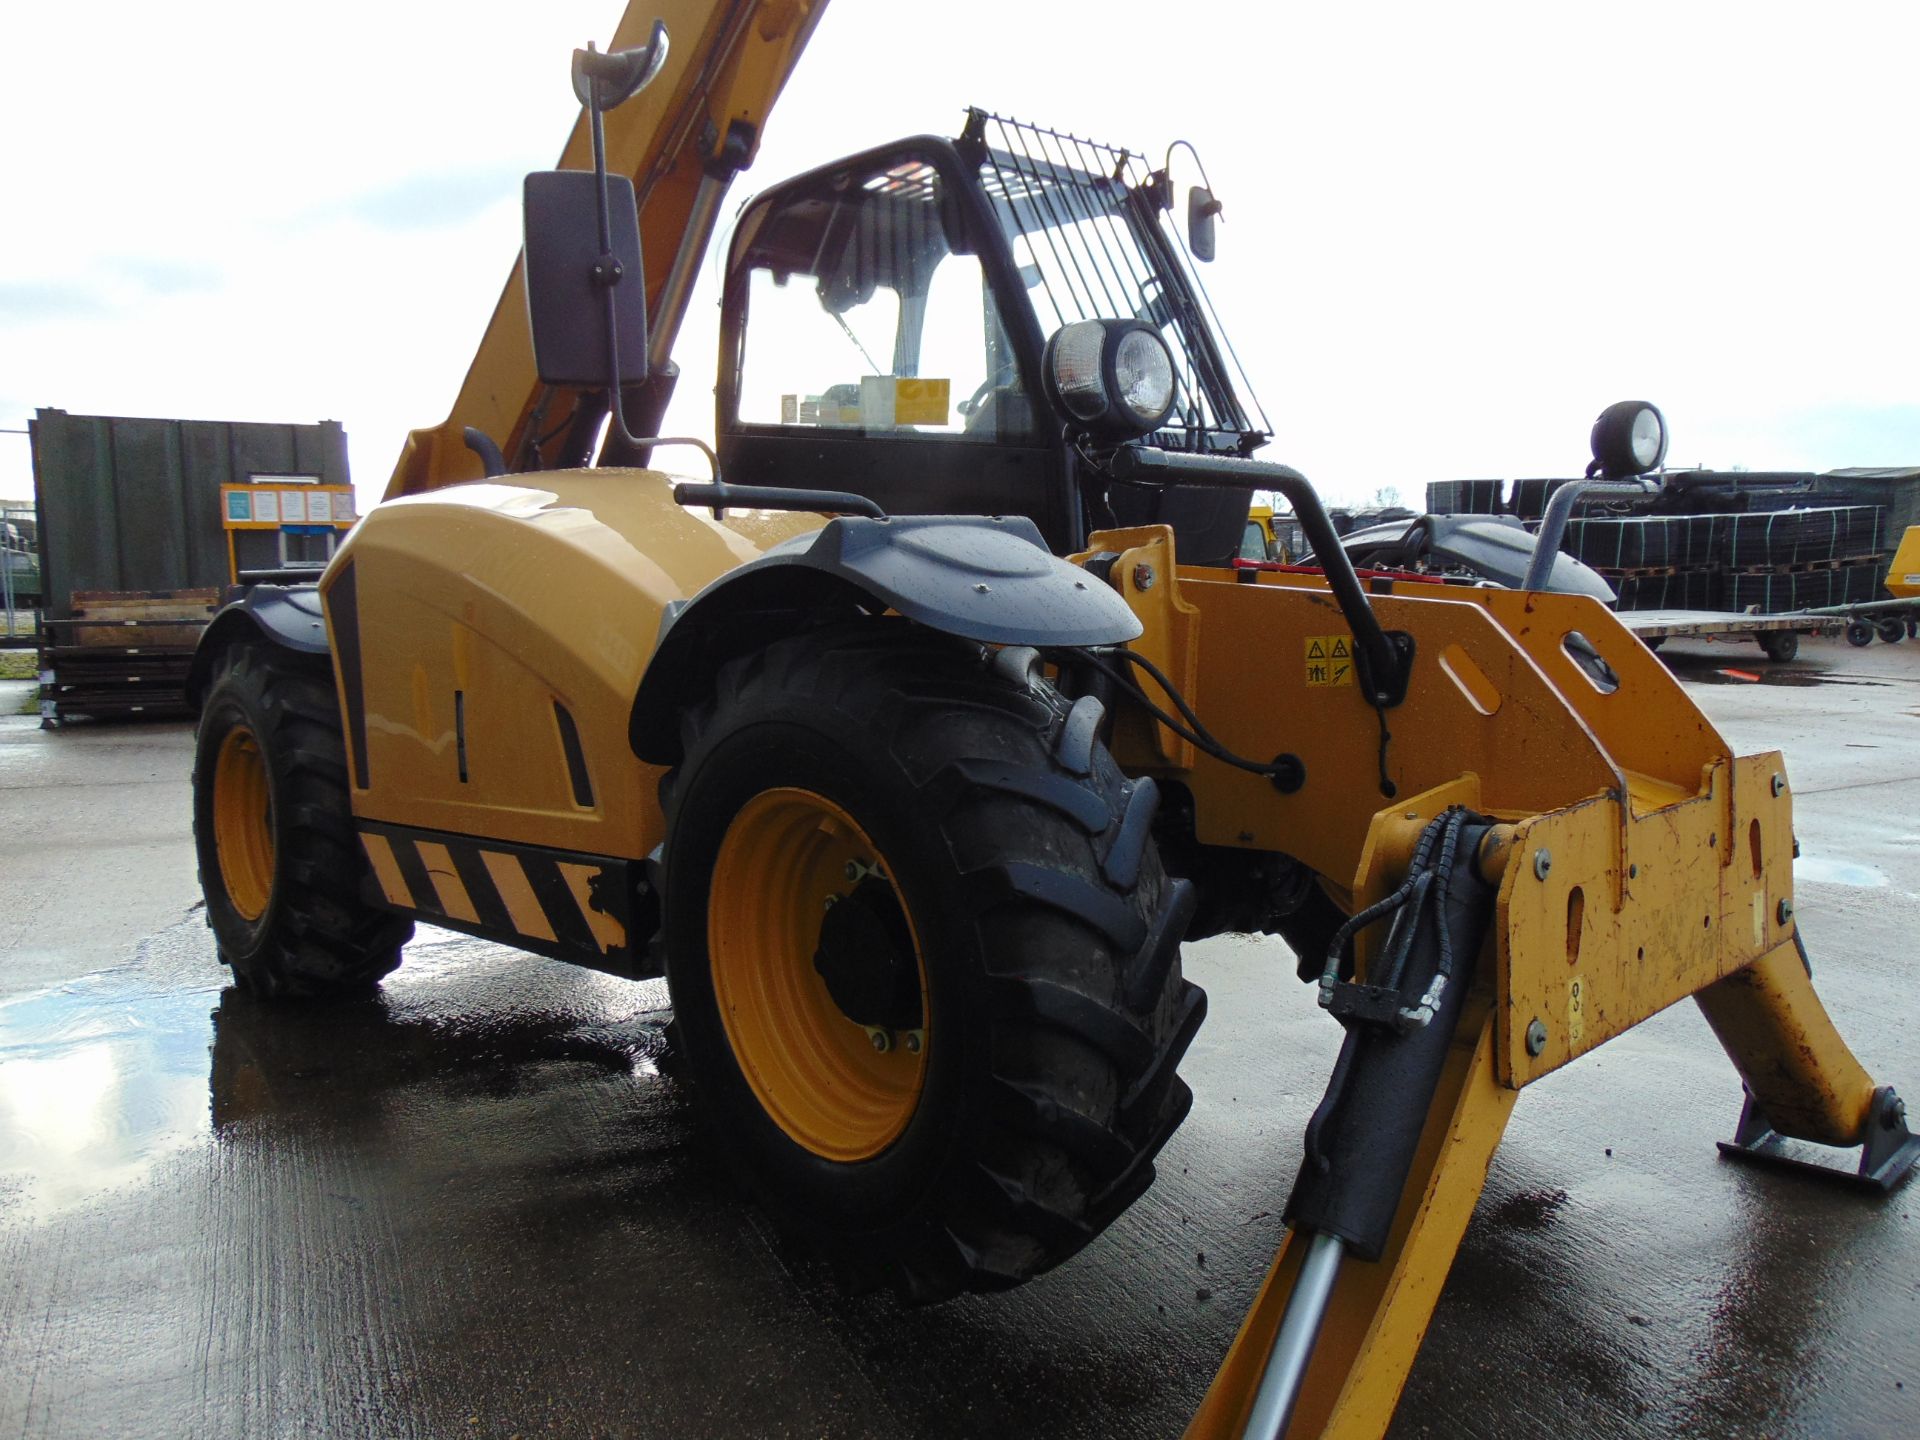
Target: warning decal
1329	660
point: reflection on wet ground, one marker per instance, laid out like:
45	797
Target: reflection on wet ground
104	1077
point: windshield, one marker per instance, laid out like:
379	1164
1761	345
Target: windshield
1092	243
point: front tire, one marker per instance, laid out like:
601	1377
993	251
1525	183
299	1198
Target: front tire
923	955
280	864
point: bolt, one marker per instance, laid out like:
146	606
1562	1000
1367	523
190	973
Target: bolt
1542	863
913	1042
1786	911
1143	577
1536	1038
980	589
1895	1115
1779	784
882	1041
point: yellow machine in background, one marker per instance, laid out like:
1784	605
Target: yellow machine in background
1903	575
913	791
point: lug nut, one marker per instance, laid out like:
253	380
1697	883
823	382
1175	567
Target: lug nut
882	1041
1542	863
1536	1038
913	1042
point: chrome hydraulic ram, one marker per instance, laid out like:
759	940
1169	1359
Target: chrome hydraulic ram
1400	1021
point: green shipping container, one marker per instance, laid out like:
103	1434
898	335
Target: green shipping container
133	504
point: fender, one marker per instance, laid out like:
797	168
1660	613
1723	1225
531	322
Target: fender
986	579
288	615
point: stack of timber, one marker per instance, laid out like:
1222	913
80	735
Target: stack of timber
119	654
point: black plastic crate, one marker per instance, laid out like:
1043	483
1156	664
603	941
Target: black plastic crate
1775	591
1776	539
1642	542
1464	497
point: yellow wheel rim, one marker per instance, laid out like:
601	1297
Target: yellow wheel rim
785	858
243	822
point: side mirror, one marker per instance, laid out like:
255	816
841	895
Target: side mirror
1201	209
582	240
571	296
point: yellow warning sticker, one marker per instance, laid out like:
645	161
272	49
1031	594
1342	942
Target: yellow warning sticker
1576	1012
1329	660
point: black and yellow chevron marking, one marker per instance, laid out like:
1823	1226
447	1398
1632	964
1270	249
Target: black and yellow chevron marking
554	902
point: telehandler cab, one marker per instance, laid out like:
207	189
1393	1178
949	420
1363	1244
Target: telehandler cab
914	806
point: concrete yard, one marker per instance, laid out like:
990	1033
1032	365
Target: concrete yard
476	1205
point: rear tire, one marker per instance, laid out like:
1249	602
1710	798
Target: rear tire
1892	632
1041	936
280	863
1859	632
1780	645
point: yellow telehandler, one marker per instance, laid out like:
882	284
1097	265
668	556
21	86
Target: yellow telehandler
911	745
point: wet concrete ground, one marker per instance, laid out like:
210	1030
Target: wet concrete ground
474	1206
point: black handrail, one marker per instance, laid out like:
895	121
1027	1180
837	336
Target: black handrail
1383	660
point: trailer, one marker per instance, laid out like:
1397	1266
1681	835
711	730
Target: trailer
1779	635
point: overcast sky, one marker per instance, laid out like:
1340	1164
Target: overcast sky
1452	232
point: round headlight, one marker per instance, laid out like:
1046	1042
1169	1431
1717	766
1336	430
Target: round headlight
1629	438
1073	366
1114	378
1143	374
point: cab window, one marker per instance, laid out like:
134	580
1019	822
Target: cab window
866	309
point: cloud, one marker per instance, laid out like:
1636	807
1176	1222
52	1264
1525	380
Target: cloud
435	199
164	278
31	301
116	281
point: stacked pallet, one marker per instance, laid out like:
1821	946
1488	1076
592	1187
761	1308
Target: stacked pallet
122	653
1772	561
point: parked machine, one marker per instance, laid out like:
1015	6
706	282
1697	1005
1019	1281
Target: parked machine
911	746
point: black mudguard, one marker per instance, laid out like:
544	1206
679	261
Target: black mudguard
288	615
987	579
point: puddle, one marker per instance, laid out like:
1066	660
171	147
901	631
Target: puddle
100	1079
1824	871
104	1078
1765	673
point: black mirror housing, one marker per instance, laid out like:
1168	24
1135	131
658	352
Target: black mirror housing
567	289
1201	208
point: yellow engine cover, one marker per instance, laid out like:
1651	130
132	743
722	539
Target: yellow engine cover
485	618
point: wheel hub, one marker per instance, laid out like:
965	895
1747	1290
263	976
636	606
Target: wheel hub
867	960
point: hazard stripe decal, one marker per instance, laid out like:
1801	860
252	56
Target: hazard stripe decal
491	909
563	912
554	902
414	871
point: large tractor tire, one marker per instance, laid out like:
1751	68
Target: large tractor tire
280	865
924	958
